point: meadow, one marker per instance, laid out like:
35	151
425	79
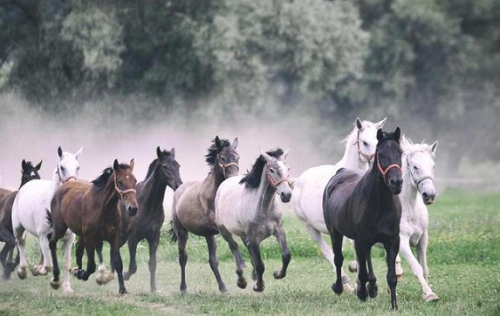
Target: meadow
464	262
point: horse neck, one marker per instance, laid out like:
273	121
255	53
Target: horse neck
56	181
409	193
213	181
351	158
377	191
109	198
265	193
154	189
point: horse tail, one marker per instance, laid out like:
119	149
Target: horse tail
48	217
171	232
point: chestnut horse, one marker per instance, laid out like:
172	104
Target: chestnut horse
29	172
91	211
366	209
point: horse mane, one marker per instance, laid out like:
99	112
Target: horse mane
152	166
252	178
101	180
211	157
409	147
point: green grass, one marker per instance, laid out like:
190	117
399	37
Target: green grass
464	260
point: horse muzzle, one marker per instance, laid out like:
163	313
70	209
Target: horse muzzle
132	210
428	198
285	197
395	186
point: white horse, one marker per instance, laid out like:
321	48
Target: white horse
308	189
247	207
30	210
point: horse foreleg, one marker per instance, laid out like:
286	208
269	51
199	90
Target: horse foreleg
372	280
68	243
392	248
55	282
118	266
153	247
279	232
361	254
91	267
7	253
182	237
132	249
254	250
240	264
417	268
214	263
422	253
337	239
21	242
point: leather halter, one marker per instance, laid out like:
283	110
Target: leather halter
271	181
419	180
64	181
227	165
367	157
120	191
386	170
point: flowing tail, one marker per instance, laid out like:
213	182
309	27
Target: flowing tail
48	217
171	232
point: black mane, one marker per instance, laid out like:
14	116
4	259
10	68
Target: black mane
101	180
30	166
211	157
252	178
152	166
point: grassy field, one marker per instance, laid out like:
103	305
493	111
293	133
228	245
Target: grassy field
464	261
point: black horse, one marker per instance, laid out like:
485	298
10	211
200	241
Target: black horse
162	172
7	197
365	208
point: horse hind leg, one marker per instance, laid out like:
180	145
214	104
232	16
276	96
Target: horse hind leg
254	249
372	280
182	237
337	239
103	277
91	267
240	264
68	243
132	269
361	255
153	247
285	252
7	253
46	260
21	244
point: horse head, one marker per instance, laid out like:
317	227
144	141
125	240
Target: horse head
366	139
169	168
227	157
68	166
277	173
125	183
388	159
29	172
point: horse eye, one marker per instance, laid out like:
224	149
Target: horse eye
271	170
223	159
365	143
120	182
62	168
415	167
434	166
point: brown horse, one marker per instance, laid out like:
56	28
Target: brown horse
7	197
193	206
91	211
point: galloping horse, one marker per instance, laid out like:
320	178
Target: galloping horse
309	187
365	209
193	206
418	191
90	210
29	172
247	207
30	207
147	223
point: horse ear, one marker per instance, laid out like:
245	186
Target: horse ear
397	134
116	165
37	167
381	124
433	148
158	152
172	152
264	155
380	135
235	143
358	123
59	152
217	142
132	165
79	153
24	165
285	154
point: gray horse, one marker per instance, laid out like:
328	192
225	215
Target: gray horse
193	206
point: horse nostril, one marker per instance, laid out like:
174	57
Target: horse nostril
425	196
132	210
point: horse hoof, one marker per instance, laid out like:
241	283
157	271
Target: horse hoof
399	277
348	288
278	275
55	284
431	298
126	276
99	280
36	270
353	266
259	289
122	291
337	288
242	284
68	290
372	291
362	294
21	273
223	290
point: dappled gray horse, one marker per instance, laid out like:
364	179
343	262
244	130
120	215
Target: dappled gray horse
247	207
193	206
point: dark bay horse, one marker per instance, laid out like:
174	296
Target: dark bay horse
366	209
91	211
162	172
193	206
7	197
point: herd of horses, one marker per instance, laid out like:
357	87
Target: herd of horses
375	195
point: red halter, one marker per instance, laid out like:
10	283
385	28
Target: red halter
386	170
64	181
122	192
226	165
271	181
